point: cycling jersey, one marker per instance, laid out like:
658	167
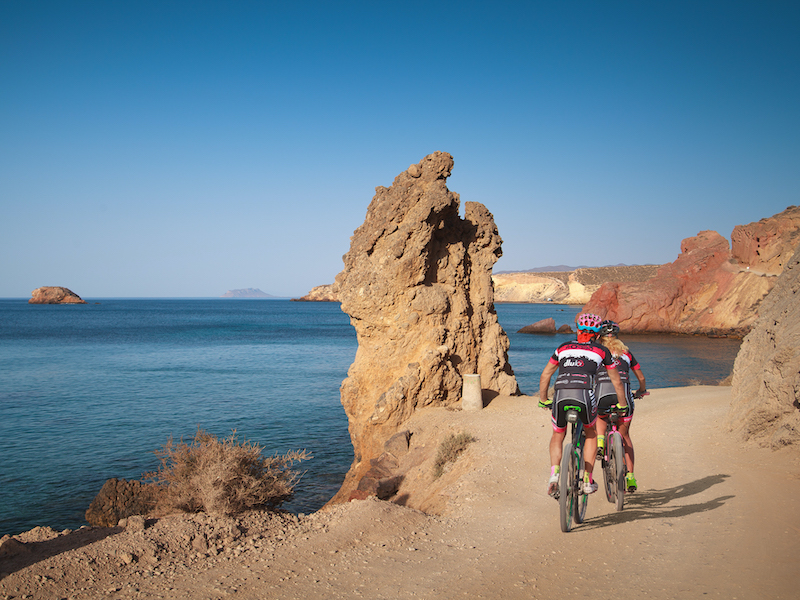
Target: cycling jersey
604	389
624	363
578	363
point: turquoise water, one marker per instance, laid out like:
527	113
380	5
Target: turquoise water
88	392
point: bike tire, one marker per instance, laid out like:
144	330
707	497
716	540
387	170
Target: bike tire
608	478
581	499
618	460
566	487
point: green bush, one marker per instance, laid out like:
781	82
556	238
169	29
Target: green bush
449	450
223	477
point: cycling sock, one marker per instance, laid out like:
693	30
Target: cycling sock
554	470
588	477
601	441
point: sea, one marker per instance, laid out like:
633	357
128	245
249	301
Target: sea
90	392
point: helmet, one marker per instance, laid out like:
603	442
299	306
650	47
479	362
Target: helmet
588	322
609	328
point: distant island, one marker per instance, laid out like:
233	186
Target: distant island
246	293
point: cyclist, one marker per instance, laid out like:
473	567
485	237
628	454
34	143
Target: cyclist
607	395
577	363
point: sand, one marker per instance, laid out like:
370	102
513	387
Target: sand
713	518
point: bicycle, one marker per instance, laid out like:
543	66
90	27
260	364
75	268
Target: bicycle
613	462
613	458
572	501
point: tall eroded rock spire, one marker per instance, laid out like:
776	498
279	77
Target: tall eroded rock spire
417	286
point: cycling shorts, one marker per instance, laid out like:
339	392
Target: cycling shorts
606	403
583	399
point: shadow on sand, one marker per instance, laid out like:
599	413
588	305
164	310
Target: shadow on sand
659	504
17	555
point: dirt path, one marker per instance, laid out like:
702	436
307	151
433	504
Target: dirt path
712	519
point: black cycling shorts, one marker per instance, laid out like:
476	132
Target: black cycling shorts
607	403
583	400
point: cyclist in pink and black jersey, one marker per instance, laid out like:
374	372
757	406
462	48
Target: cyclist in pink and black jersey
607	395
577	364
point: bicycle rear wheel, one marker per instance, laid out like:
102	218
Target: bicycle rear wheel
566	487
618	462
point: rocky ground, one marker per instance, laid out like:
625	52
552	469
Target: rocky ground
712	519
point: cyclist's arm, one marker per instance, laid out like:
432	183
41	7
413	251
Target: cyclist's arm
642	385
544	380
613	375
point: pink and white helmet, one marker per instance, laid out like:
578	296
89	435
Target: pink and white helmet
589	322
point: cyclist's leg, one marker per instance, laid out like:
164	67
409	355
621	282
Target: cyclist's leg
625	430
604	404
589	418
556	443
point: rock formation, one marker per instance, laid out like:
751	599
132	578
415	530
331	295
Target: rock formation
321	293
767	245
766	375
54	295
119	499
544	326
417	286
709	289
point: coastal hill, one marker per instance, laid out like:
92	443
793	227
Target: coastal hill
568	285
246	293
564	287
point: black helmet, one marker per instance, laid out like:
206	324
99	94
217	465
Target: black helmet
609	328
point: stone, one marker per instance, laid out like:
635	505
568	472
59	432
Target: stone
711	288
54	295
417	284
397	445
543	326
565	329
120	499
765	407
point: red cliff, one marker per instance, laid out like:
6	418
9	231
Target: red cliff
709	289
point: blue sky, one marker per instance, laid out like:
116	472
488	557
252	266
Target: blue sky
183	149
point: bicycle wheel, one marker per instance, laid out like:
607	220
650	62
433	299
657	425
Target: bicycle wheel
608	478
581	499
566	487
618	461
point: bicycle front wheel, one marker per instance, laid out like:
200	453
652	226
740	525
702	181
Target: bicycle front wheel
608	477
581	499
618	462
566	487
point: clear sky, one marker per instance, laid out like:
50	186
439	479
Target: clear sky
183	149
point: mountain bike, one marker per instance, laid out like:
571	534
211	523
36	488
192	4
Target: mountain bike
571	499
613	458
613	462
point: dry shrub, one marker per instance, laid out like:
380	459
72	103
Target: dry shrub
224	477
449	450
